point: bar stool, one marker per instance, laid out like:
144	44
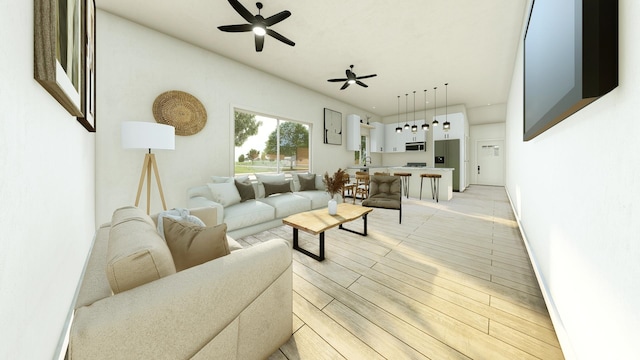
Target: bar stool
435	184
404	178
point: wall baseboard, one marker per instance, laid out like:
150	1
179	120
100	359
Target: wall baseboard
561	332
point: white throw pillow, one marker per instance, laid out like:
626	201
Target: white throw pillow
226	194
227	179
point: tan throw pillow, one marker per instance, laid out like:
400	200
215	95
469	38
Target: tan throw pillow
192	245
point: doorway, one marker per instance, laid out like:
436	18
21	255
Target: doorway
490	162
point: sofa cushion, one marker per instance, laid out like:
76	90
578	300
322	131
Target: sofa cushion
136	253
248	213
279	187
318	198
228	179
287	204
225	194
192	244
245	189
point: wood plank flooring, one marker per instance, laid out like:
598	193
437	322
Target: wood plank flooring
453	281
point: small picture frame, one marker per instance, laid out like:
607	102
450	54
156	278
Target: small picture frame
332	127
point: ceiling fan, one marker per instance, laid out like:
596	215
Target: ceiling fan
258	24
352	78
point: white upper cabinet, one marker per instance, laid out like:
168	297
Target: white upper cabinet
419	135
377	135
393	142
457	127
353	132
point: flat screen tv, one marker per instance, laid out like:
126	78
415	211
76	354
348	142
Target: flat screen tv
570	59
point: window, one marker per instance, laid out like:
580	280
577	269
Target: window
361	156
269	145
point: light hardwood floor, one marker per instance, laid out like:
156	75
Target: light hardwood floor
453	281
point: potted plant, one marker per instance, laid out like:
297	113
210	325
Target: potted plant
333	185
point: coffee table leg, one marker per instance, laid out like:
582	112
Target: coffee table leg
319	257
364	233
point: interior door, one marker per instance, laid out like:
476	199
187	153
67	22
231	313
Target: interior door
490	162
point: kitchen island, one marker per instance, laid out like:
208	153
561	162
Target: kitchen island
445	190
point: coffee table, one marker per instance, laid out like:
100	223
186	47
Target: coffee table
316	222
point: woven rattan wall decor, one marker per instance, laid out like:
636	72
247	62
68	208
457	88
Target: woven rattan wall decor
180	110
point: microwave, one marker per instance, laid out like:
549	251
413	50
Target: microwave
415	146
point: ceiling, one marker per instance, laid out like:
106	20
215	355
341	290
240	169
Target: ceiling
419	45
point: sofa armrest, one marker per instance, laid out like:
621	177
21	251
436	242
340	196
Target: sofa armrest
178	315
203	202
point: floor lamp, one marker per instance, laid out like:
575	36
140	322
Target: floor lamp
147	135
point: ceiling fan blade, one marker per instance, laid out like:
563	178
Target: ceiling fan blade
235	28
366	76
274	19
361	83
280	37
337	80
242	11
346	85
259	42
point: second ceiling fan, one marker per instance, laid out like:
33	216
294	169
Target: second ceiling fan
352	78
258	24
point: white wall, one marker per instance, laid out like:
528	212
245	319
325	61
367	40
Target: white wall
47	198
575	191
138	64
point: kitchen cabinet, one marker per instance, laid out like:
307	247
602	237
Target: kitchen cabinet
377	135
393	142
457	127
419	135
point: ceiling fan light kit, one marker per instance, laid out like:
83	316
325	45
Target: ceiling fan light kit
258	24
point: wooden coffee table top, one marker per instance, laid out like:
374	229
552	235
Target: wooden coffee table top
317	221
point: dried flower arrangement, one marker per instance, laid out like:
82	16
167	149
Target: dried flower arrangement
334	184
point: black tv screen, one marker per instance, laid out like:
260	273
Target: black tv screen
570	59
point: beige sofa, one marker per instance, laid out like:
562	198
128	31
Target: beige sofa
237	306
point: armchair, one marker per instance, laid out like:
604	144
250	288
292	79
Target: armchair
385	192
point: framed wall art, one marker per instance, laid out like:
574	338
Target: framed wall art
64	54
332	127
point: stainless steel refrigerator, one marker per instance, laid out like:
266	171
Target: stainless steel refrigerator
447	155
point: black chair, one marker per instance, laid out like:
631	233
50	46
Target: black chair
385	192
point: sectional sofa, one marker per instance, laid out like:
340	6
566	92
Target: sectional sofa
250	206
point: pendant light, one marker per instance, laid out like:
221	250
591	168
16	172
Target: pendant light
425	126
406	111
398	129
446	125
435	108
414	127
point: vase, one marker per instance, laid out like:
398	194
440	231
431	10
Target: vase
332	206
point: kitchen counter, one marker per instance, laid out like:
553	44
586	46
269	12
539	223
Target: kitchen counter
445	189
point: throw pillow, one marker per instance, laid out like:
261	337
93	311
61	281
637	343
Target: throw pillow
270	178
245	189
225	194
192	245
276	188
307	182
227	179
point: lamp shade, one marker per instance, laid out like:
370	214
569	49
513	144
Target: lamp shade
147	135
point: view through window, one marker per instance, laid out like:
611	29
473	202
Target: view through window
270	145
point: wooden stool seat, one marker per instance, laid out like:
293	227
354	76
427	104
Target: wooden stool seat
404	178
435	184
